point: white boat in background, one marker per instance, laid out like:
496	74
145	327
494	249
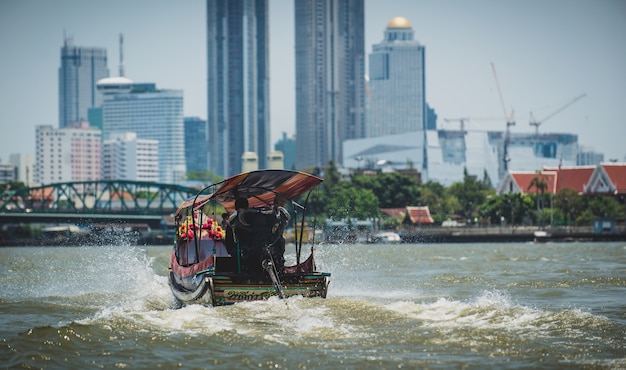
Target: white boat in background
541	236
386	237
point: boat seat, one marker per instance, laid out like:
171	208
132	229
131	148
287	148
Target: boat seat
255	231
225	265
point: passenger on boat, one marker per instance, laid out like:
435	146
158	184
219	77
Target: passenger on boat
231	240
280	220
257	234
224	222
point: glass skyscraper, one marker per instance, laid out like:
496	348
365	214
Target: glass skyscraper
151	113
330	72
81	68
238	83
196	151
397	102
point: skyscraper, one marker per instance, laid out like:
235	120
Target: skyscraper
80	70
396	82
151	113
330	71
238	82
196	151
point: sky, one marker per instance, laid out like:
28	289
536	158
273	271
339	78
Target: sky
545	53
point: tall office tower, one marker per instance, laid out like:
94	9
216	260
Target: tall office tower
67	154
238	82
151	113
396	82
196	150
330	72
125	157
80	70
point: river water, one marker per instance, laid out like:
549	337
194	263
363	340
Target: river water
428	306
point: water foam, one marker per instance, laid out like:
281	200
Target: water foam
495	310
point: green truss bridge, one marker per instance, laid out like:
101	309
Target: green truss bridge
93	202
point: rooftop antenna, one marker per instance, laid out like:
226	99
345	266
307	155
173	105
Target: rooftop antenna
67	40
121	55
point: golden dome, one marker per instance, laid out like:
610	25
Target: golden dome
399	22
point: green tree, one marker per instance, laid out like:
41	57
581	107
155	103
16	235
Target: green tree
487	179
569	204
540	183
317	205
392	190
470	193
318	201
514	207
11	186
349	201
432	194
331	176
599	206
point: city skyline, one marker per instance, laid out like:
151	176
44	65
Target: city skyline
546	53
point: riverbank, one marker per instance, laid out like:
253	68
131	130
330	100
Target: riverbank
408	235
510	234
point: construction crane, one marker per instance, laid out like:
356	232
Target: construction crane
510	121
536	123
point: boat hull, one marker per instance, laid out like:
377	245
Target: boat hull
220	290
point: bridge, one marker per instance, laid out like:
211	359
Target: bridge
93	202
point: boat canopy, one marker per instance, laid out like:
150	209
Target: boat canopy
259	187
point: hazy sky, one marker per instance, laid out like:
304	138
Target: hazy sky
546	53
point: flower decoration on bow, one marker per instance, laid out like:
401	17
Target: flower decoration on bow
186	230
209	227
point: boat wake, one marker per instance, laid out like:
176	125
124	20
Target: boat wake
495	311
144	300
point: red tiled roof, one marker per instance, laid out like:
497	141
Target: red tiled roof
420	215
524	179
394	212
617	174
574	178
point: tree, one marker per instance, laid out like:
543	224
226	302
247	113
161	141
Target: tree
12	186
471	193
331	176
540	184
487	179
599	206
514	207
432	194
349	201
569	203
392	190
316	205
